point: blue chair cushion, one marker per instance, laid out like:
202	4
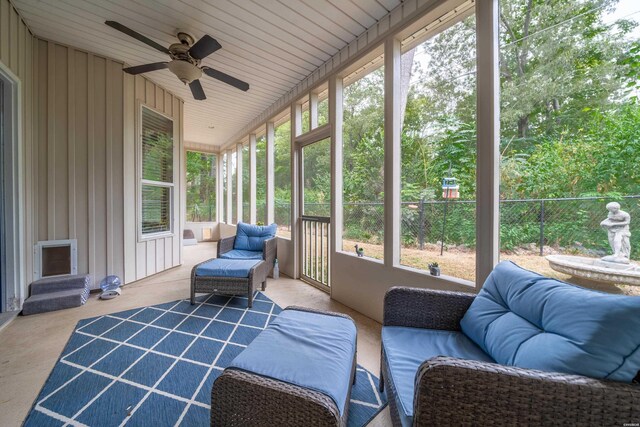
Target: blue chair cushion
407	348
226	268
241	254
310	350
524	319
251	237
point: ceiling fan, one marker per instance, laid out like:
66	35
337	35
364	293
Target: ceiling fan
185	60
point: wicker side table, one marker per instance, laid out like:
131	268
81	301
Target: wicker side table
243	398
257	277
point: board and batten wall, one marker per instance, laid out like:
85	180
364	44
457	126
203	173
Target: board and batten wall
17	46
79	152
80	130
150	256
88	113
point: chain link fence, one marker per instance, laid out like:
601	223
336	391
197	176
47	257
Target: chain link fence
282	215
527	226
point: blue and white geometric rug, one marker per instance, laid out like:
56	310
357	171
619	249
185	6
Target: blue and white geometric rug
156	366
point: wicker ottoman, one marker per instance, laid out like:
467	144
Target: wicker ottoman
229	277
297	372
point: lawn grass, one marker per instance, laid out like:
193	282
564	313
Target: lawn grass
461	263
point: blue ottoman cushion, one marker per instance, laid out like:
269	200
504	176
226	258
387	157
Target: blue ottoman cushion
251	237
226	268
407	348
241	254
311	350
523	319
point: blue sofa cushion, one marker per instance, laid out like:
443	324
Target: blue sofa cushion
251	237
310	350
241	254
226	268
407	348
524	319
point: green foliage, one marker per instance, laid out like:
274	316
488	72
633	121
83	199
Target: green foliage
201	186
282	185
569	125
261	178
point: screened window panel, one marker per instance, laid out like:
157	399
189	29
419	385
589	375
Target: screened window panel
246	206
156	209
201	186
261	179
157	147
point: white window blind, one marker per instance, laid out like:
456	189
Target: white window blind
157	172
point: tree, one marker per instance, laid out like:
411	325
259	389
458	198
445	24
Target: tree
556	58
201	188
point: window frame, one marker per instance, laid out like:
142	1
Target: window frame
144	237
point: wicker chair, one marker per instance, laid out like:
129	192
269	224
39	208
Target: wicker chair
269	250
451	391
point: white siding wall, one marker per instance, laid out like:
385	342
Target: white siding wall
16	53
78	156
144	258
80	120
88	113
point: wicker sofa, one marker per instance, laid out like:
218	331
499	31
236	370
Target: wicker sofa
458	383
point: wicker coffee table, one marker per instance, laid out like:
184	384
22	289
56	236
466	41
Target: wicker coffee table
229	277
297	372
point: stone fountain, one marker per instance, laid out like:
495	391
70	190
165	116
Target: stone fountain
615	268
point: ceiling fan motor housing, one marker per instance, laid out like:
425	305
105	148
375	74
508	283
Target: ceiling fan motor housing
185	38
185	70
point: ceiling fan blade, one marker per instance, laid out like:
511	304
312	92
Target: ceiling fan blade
196	90
226	78
128	31
204	47
139	69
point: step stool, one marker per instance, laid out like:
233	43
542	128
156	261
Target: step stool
56	293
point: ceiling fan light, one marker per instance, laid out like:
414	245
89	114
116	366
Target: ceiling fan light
185	71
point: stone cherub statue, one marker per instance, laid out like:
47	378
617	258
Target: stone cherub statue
617	226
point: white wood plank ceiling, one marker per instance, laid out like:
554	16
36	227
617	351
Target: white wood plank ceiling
270	44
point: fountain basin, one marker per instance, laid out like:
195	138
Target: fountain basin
596	270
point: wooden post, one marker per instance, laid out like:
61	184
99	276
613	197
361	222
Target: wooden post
313	111
239	192
219	188
392	129
336	119
229	212
252	178
296	193
488	144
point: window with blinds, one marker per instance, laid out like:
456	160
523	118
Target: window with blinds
156	173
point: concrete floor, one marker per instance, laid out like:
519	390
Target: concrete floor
31	345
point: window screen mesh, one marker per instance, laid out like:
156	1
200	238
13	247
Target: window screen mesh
157	172
156	209
157	147
201	186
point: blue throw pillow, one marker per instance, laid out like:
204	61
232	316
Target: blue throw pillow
251	237
523	319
